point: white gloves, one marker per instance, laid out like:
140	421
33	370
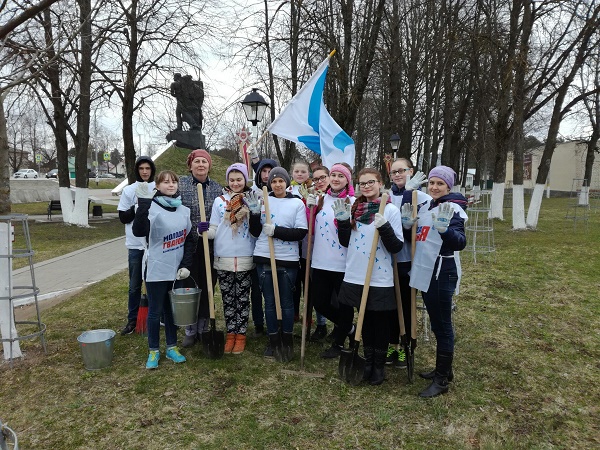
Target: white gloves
416	181
182	273
312	200
407	218
379	220
252	152
341	209
268	229
253	202
212	231
303	191
142	191
442	220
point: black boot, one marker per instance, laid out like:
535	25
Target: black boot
288	347
378	374
430	375
369	354
276	346
443	368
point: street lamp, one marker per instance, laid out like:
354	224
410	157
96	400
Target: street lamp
395	143
255	107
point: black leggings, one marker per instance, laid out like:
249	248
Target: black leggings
376	329
325	287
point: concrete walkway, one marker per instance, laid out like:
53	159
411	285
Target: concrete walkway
70	273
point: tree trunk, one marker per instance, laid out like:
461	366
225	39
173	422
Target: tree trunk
4	172
129	93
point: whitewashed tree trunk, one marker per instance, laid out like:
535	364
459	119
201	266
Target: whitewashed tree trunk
533	214
7	314
497	205
518	207
74	214
584	196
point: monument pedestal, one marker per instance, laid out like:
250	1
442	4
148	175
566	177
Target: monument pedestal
192	139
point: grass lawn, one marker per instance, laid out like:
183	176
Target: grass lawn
526	371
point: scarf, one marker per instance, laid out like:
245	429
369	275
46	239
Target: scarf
235	209
365	211
168	202
348	191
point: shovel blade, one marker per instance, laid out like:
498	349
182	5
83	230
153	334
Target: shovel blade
345	362
354	374
410	361
213	343
287	348
275	341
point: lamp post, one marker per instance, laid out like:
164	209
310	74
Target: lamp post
254	107
395	143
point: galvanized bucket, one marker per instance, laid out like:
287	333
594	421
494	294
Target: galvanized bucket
97	348
184	304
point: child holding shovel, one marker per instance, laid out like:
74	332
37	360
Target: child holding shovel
287	225
356	228
436	266
329	256
233	249
165	223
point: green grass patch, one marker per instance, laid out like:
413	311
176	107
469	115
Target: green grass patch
526	371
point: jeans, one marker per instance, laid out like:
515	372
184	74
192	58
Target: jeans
438	301
159	305
134	258
286	277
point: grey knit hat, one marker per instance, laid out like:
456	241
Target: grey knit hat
279	172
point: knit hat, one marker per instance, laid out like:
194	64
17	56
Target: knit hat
344	171
195	154
279	172
261	165
445	173
238	167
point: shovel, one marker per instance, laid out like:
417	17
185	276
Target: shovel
403	337
352	365
410	354
213	341
282	343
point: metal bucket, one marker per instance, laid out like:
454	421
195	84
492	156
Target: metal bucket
97	348
184	304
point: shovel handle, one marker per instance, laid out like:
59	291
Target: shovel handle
399	299
413	248
272	256
306	281
365	291
209	285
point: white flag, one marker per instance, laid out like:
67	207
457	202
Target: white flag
306	121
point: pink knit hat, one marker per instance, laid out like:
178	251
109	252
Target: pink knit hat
344	171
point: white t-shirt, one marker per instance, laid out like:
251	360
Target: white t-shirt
227	243
359	250
328	253
127	200
422	198
285	212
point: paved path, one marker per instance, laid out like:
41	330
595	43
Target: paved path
74	271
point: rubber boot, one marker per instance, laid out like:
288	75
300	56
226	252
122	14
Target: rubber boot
443	368
378	374
430	375
229	342
275	344
369	354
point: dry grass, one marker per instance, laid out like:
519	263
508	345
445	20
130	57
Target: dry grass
525	375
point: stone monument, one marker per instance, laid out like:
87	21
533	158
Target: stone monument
189	94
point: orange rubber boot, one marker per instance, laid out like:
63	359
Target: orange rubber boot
229	342
240	344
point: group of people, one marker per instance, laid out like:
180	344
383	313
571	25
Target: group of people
244	241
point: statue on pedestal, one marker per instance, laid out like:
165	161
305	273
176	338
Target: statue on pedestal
190	97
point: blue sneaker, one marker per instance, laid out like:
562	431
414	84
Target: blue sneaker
153	358
174	355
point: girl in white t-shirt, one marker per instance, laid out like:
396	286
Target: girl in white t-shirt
233	249
356	227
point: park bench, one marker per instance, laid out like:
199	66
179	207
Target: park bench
54	205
